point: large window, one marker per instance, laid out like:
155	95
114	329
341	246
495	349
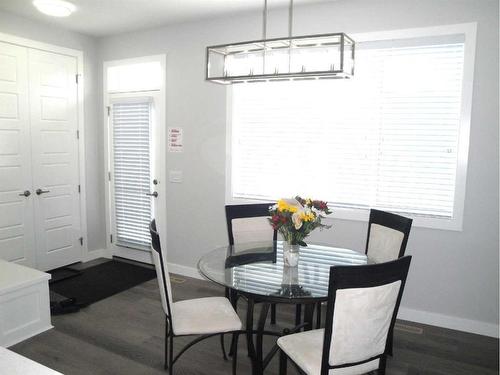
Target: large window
390	138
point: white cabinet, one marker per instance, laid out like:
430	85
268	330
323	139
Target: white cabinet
24	303
39	174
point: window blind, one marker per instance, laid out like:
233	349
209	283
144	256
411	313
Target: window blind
388	138
131	173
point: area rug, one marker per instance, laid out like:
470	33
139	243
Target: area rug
101	281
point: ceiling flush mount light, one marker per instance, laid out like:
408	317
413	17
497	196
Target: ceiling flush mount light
55	8
301	57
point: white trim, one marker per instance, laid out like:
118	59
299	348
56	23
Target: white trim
27	336
448	321
95	254
12	39
158	159
412	315
142	256
358	214
179	269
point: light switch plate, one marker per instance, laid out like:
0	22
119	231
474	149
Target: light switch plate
175	177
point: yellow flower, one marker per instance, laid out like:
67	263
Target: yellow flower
307	216
285	206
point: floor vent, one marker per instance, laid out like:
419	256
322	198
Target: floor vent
409	329
177	280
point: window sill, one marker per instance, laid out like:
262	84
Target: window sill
360	214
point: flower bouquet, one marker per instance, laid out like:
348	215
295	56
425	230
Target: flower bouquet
295	219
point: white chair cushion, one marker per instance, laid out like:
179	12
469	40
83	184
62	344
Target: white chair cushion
202	316
306	349
384	243
252	229
361	322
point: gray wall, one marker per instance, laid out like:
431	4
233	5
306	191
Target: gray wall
22	27
453	273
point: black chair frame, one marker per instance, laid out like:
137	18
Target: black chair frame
393	221
169	331
346	277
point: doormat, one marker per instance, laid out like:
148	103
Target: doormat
63	273
101	281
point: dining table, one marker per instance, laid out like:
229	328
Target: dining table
257	272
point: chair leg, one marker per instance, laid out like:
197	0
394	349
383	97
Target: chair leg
233	298
234	350
381	366
298	314
223	347
318	315
283	363
166	345
273	313
171	355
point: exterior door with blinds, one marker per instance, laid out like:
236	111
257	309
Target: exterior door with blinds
131	120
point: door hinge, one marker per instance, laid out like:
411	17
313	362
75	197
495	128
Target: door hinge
77	78
109	110
79	189
81	241
111	238
109	176
78	134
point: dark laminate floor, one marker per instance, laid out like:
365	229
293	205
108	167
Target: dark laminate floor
124	335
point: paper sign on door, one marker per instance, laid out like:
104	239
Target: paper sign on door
175	140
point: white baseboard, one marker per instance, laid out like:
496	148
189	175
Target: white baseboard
418	316
185	271
94	254
447	321
133	254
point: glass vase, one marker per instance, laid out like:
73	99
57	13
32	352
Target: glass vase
290	254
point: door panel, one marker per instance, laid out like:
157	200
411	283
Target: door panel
16	210
53	97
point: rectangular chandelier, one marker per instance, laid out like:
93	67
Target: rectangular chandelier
302	57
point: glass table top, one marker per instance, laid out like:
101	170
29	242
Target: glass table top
258	269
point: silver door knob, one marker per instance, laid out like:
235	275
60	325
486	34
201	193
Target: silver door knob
153	194
26	193
40	191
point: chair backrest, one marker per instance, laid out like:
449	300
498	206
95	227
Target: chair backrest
363	303
249	223
387	236
162	274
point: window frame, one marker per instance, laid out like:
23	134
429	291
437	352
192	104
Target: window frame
469	30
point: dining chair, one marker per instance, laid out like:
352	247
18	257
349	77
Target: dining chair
249	223
363	303
386	240
205	317
387	236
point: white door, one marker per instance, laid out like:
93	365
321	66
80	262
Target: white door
54	121
16	209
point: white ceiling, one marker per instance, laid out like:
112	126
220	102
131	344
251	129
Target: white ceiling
107	17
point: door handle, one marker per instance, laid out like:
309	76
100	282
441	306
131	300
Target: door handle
26	193
40	191
153	194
